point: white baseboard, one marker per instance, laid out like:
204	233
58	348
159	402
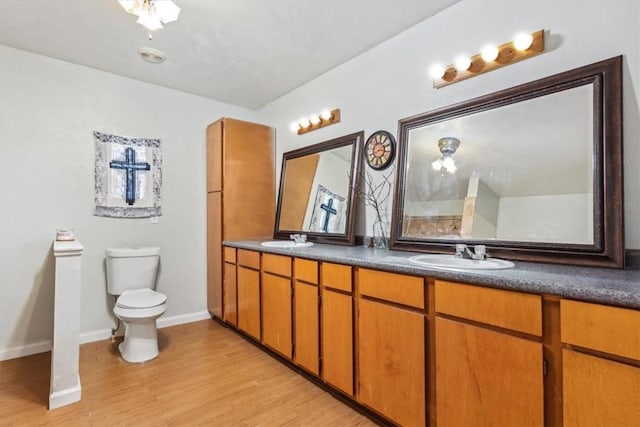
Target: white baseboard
65	397
25	350
98	335
164	322
93	336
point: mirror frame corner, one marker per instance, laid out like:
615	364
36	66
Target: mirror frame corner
608	246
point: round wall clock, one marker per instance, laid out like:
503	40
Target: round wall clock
380	149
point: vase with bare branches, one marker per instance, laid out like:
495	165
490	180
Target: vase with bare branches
376	194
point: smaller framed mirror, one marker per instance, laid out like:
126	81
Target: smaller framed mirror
318	191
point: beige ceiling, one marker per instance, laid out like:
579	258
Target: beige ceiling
242	52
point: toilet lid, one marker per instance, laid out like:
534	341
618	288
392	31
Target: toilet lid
141	298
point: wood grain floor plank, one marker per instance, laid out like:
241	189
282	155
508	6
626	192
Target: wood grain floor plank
205	375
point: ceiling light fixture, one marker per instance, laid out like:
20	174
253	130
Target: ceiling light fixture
447	146
152	13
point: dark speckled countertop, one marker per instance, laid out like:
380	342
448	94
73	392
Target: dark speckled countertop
600	285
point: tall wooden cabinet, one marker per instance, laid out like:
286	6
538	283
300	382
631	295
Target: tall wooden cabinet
240	193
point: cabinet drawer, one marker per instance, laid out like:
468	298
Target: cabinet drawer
276	264
407	290
306	270
230	255
336	276
612	330
249	258
506	309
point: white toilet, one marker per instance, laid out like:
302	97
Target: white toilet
131	275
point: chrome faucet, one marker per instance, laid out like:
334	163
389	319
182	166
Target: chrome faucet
298	238
478	252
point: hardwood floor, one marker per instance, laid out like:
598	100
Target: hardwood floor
205	375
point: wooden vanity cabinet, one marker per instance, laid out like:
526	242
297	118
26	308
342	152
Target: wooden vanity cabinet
488	356
230	290
248	286
391	345
277	295
240	159
337	326
600	364
306	316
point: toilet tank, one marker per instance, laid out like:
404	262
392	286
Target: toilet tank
131	268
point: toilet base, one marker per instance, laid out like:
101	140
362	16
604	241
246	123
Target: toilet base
140	341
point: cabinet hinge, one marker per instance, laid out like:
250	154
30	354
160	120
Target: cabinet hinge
545	370
319	364
319	299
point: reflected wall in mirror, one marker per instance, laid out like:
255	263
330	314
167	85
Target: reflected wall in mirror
317	191
533	172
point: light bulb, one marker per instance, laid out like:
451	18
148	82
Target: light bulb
523	41
449	164
489	53
167	11
294	126
151	22
437	165
326	115
304	123
463	63
315	119
437	71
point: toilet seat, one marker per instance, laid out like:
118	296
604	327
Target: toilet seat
140	304
140	298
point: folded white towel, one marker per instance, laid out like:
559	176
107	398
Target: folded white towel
64	235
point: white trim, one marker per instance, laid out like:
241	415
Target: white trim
25	350
99	335
65	397
164	322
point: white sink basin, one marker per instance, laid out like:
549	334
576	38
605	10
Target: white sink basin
286	244
451	261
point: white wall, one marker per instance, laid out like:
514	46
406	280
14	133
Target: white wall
550	218
48	110
390	81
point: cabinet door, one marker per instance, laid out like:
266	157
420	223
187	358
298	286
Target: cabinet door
391	355
337	340
248	180
214	156
214	254
230	294
599	392
276	313
486	378
249	301
307	326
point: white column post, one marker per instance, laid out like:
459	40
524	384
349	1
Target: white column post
65	352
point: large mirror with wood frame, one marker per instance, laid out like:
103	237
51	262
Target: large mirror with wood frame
533	172
317	192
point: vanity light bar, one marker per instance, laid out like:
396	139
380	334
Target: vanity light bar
318	121
522	47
